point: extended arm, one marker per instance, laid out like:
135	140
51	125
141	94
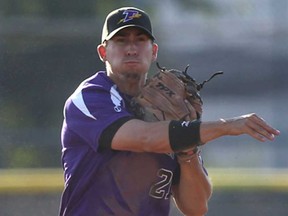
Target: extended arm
140	136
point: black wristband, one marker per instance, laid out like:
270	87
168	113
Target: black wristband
184	134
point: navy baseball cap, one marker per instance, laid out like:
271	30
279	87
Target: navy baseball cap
126	17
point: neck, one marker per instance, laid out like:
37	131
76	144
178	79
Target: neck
129	83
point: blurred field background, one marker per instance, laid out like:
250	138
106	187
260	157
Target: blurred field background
48	47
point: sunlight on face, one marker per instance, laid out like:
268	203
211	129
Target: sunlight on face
128	56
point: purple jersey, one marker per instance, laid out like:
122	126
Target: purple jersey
108	182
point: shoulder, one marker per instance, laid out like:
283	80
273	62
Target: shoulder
99	82
96	96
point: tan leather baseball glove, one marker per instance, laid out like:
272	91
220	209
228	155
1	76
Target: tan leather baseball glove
170	95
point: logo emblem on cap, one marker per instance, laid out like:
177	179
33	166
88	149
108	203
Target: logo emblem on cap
130	15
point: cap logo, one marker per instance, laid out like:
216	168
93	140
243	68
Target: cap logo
130	15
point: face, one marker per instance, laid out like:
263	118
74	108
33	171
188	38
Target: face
128	56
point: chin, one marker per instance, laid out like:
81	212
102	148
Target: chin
132	76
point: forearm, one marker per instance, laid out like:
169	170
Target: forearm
158	137
212	130
140	136
194	189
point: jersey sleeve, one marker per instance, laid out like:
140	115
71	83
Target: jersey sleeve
91	109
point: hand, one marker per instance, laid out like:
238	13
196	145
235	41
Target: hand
252	125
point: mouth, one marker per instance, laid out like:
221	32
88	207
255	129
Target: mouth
131	61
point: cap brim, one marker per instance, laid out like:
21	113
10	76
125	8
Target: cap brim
127	26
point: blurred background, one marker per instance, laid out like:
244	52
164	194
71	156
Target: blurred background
48	47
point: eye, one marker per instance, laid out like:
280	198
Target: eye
120	40
142	38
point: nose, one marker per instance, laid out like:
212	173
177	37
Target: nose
132	49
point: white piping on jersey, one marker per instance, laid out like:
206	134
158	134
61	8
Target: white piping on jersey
116	99
172	155
77	99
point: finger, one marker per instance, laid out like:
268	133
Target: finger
255	134
259	131
262	123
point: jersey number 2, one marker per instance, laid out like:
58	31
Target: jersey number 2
161	189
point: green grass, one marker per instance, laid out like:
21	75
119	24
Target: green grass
51	180
31	180
244	178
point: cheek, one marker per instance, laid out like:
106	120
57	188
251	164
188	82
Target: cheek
113	51
110	54
113	57
149	56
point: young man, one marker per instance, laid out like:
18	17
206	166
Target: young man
115	164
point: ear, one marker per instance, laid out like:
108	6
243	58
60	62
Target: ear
101	49
154	51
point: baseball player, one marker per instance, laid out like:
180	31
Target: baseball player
116	164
